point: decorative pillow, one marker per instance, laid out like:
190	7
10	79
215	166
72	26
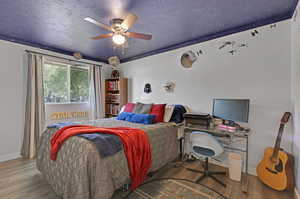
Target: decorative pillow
136	118
129	107
177	115
158	110
168	112
188	110
141	118
124	115
122	109
142	108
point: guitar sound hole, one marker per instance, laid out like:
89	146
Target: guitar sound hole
279	166
270	170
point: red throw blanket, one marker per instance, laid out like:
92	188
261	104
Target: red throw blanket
135	143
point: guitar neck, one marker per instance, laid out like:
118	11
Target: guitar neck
278	142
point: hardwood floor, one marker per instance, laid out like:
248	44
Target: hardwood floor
19	179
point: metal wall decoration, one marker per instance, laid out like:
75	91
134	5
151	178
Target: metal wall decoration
242	45
147	88
234	46
169	87
254	33
232	52
227	43
188	58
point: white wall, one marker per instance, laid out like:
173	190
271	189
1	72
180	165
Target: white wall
12	96
296	94
260	72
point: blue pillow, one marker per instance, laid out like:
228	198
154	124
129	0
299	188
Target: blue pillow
141	118
124	115
136	118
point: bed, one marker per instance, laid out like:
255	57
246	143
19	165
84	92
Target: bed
81	173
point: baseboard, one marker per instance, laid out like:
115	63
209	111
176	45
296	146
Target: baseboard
297	196
252	171
7	157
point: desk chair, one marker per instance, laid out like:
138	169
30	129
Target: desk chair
206	145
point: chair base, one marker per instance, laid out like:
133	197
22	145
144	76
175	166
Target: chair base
207	173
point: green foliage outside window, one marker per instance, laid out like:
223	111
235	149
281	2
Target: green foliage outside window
79	84
65	83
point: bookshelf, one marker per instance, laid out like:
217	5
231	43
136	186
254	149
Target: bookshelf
116	95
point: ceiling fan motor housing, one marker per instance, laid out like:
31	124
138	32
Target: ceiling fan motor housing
116	24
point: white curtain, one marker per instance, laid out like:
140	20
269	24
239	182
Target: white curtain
96	93
35	107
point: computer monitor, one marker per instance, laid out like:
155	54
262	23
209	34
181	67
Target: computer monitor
236	110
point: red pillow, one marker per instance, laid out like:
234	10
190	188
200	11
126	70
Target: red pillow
159	111
129	107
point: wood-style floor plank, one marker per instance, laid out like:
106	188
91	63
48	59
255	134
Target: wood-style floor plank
19	179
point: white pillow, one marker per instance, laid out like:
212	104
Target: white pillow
122	109
188	110
168	112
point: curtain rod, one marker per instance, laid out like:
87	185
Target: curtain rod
30	51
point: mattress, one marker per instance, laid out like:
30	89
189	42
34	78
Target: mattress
79	171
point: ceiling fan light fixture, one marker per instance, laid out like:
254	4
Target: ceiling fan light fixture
119	30
118	39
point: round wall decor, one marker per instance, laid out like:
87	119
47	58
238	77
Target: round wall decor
188	58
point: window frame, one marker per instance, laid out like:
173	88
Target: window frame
68	66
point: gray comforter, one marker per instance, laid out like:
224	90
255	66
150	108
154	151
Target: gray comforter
79	171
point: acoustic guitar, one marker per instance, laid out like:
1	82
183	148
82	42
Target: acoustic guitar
277	166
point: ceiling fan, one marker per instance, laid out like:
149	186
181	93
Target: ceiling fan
119	28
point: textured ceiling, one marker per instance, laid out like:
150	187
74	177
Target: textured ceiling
58	25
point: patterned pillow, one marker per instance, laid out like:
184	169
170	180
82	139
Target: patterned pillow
129	107
142	108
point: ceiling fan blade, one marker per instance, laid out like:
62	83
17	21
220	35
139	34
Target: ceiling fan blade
102	25
138	35
129	21
103	36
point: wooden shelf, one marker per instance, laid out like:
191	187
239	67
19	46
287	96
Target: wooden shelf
112	102
116	89
113	91
111	114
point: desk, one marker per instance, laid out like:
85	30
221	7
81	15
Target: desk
232	142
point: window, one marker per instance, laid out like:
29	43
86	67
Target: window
65	83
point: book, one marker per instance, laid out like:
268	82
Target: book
113	85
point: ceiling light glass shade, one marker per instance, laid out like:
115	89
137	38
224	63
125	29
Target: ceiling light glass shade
118	39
